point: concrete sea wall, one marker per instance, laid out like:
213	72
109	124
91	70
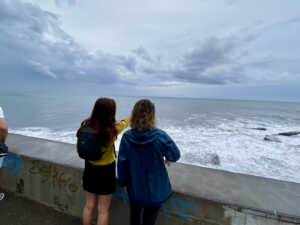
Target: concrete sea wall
50	172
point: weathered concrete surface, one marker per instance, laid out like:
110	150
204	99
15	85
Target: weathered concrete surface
242	190
50	172
36	148
15	210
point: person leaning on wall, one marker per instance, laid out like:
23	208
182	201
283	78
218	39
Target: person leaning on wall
3	134
143	153
3	147
99	177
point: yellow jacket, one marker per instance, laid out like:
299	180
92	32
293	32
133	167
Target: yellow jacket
108	153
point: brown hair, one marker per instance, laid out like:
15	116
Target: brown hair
143	115
103	120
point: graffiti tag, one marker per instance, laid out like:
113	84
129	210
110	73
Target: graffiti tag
13	165
179	207
50	174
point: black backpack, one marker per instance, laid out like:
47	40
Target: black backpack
88	145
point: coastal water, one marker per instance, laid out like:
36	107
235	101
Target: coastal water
202	128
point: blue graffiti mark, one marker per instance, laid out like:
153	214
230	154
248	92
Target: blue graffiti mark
183	204
165	210
13	164
1	161
120	192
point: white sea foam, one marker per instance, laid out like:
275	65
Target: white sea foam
67	136
240	148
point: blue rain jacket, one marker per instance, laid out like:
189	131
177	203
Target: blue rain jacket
141	165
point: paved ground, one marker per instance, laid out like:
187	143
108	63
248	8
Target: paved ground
19	211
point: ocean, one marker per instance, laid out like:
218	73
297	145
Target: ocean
212	133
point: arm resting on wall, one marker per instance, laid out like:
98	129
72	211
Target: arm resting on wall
3	130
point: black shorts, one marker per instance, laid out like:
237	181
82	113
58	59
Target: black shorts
100	180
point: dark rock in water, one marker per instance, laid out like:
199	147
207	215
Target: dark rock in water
216	160
272	138
259	128
291	133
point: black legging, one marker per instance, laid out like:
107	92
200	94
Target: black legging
149	214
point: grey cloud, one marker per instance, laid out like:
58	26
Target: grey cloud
226	60
130	64
33	44
63	3
293	20
233	60
211	53
231	2
33	40
143	54
215	61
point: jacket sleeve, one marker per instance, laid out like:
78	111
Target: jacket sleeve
169	148
120	126
123	170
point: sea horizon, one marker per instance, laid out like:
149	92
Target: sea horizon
20	93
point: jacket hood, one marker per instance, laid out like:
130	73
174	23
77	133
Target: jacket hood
142	137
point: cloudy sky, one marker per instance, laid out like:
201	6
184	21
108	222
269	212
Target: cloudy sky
182	48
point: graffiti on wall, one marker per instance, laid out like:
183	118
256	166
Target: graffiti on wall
120	193
13	164
182	208
20	186
66	183
50	174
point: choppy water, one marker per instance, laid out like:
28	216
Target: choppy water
201	128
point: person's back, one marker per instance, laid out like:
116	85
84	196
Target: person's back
99	176
147	150
141	164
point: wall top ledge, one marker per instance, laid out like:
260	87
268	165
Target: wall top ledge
245	191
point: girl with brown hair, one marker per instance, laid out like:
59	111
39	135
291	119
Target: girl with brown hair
143	152
99	177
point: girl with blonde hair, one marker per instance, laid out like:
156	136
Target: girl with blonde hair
143	152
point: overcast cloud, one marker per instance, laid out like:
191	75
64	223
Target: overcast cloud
158	47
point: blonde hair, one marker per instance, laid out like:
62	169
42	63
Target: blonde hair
143	115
